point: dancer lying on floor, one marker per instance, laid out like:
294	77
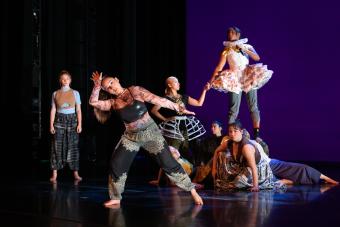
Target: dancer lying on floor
287	172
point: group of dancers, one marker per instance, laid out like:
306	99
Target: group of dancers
237	163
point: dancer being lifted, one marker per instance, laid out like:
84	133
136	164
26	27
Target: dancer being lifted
240	77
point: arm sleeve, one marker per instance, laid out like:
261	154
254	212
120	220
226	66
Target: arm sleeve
77	96
52	100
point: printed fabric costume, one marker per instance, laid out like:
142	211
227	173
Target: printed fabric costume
235	174
240	76
146	135
182	129
65	141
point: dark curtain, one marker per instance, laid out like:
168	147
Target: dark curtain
141	42
160	43
15	84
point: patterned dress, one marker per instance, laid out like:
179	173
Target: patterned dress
241	76
235	174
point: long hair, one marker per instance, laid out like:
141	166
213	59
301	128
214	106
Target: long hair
103	116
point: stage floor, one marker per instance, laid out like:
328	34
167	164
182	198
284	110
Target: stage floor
36	202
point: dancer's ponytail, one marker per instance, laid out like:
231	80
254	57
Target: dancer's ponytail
102	116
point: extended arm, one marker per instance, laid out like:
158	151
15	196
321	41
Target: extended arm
200	101
219	67
147	96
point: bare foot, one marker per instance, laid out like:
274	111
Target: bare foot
331	181
76	182
113	203
77	178
325	187
328	180
154	182
196	197
195	211
198	186
286	181
53	179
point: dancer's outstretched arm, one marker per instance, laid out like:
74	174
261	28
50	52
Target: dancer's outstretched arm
219	67
200	101
147	96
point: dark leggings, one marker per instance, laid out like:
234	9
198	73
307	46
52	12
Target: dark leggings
152	141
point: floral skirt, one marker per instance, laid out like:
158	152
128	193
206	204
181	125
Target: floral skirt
252	77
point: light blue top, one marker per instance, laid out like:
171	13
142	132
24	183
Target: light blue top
64	109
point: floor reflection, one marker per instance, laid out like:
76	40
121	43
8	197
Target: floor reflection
116	217
307	206
242	208
69	204
64	203
180	209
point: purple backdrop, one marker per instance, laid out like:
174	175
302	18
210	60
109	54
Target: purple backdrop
299	41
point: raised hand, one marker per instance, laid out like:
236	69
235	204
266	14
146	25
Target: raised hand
97	78
207	86
242	47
